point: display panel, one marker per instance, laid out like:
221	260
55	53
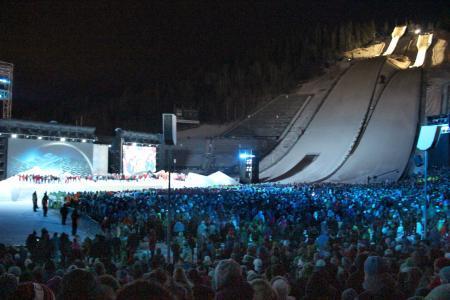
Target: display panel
100	159
49	157
138	159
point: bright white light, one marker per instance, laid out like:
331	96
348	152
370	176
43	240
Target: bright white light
62	139
245	155
417	31
39	137
109	146
134	144
14	136
83	140
3	80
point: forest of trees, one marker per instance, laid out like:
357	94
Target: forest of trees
234	89
230	89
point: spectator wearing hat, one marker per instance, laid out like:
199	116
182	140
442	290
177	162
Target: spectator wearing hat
228	282
263	290
378	283
282	288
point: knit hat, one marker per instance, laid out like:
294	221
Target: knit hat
258	264
444	274
373	265
320	263
441	292
227	272
207	260
15	270
349	294
247	259
252	275
281	286
78	282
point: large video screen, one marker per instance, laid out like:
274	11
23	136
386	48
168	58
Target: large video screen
49	157
138	159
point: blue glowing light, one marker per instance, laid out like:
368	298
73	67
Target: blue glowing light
246	155
4	80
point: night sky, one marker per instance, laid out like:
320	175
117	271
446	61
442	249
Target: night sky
66	49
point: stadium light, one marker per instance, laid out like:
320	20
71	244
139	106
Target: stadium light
62	139
4	80
245	155
14	136
83	140
39	137
417	31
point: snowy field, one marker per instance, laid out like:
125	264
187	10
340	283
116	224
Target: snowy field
17	220
12	189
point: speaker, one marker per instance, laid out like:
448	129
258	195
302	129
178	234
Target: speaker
169	129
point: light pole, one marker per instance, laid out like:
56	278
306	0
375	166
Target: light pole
169	204
425	196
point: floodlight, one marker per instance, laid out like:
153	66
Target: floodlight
245	155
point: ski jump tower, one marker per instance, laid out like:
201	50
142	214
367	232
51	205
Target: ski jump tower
6	83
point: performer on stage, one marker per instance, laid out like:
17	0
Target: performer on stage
75	217
45	204
35	201
64	211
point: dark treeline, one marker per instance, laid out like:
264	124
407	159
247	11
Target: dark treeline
231	90
223	85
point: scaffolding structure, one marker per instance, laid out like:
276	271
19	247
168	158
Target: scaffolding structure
6	84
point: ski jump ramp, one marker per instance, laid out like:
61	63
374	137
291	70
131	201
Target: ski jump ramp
365	129
386	145
331	133
423	43
397	33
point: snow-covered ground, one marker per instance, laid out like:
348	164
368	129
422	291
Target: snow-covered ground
17	220
12	189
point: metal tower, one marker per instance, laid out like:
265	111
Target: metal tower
6	83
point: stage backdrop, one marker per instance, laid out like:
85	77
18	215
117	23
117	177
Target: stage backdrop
138	159
49	157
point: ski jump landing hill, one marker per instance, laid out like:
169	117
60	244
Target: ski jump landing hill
363	126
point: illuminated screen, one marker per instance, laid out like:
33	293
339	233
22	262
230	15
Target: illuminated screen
49	157
138	159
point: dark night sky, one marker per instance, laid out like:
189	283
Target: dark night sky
65	49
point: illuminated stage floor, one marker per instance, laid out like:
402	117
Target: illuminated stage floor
17	220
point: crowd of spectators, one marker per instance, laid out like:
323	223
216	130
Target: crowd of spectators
263	241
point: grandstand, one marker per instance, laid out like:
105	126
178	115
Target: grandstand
271	120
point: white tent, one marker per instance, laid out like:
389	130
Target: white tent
219	178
